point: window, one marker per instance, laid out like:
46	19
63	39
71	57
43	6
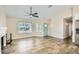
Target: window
38	27
24	27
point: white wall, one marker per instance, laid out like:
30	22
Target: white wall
2	18
57	26
12	27
56	13
2	24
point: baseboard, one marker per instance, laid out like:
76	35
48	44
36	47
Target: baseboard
31	37
57	37
23	38
37	37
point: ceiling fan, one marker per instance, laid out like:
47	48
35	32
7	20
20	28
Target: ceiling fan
31	14
49	6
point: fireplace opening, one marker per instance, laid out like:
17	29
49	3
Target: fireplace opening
2	44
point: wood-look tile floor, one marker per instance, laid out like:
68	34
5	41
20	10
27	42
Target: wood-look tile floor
41	45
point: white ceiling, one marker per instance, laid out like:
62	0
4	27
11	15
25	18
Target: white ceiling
43	10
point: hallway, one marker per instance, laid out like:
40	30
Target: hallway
41	45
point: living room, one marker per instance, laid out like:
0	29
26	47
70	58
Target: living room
26	27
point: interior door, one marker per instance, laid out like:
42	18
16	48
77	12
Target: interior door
45	29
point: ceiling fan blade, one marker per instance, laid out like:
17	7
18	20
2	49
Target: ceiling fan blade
35	16
49	6
35	13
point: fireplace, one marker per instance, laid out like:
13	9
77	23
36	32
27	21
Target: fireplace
2	44
3	31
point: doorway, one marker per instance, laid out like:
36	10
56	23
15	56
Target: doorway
67	27
45	30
